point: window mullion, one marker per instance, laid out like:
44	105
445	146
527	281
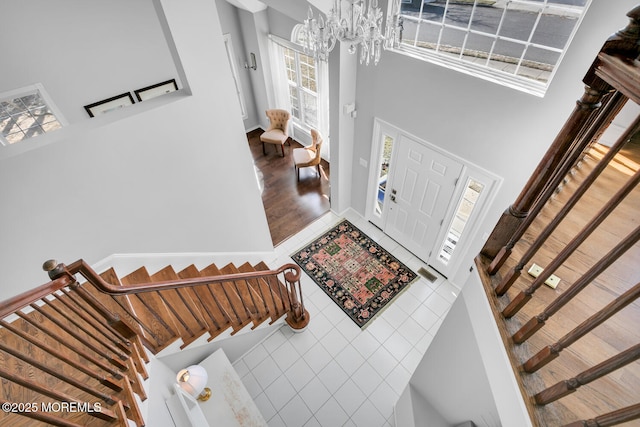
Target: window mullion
466	34
535	26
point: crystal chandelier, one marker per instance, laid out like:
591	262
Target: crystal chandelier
357	23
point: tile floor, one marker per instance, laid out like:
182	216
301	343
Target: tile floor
334	374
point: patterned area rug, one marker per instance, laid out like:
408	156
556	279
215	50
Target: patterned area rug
359	275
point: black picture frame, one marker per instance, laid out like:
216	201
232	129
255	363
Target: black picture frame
109	104
157	89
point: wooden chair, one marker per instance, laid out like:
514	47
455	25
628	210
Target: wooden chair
278	131
308	156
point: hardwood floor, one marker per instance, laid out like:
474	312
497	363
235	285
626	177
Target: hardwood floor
289	205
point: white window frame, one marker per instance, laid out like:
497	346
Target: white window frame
302	121
28	90
484	70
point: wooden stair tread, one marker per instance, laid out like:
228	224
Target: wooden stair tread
280	289
41	368
151	309
120	306
249	295
269	298
180	303
216	318
228	299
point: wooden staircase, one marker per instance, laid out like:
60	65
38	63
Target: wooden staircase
574	346
74	354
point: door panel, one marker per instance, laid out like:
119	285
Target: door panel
421	184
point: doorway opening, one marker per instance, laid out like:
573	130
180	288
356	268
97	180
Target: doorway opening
288	204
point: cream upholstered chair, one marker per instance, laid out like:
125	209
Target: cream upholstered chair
278	131
308	156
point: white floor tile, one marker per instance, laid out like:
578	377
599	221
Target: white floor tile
241	368
395	315
264	406
252	385
348	328
312	423
315	394
335	374
334	343
398	379
295	413
255	356
383	361
285	355
349	359
331	414
303	341
412	331
332	376
280	392
398	346
425	317
447	291
266	372
299	374
424	343
408	302
276	421
367	378
384	398
366	344
317	357
350	397
274	341
411	361
421	290
380	327
320	325
368	415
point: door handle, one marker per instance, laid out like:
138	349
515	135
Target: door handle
393	199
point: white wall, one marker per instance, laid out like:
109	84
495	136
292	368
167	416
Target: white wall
451	376
82	52
500	129
174	175
230	22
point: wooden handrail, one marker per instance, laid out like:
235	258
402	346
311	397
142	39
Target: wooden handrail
17	302
63	276
82	268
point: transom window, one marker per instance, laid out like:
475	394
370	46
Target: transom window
303	92
518	43
24	114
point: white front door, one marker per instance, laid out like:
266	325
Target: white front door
420	188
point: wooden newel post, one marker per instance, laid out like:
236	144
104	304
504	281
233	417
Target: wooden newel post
55	270
298	317
624	43
518	211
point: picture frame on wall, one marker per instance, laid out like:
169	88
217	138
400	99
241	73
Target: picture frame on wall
157	89
109	104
